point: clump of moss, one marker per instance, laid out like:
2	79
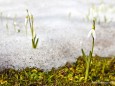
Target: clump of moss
102	72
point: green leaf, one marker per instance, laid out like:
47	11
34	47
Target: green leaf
37	42
34	38
81	78
83	53
33	43
16	76
90	54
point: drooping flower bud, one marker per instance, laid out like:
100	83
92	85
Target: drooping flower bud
93	27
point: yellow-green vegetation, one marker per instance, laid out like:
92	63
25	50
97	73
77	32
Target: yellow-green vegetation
30	20
101	73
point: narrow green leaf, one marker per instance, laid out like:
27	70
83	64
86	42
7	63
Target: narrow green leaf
37	42
90	54
33	43
84	56
83	53
34	38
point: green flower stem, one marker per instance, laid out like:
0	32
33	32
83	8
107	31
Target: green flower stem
87	59
93	27
92	44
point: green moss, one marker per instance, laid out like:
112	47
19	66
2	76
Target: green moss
102	71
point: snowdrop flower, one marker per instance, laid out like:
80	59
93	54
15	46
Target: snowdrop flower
27	17
92	31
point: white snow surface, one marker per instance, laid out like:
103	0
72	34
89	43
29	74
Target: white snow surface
62	30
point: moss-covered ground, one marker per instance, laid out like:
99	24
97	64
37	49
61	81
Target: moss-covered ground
101	73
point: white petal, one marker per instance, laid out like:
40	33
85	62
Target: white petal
89	34
94	34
